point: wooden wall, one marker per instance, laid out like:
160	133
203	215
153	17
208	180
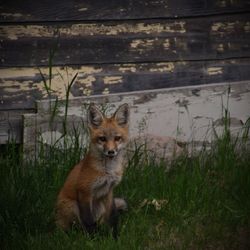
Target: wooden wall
116	46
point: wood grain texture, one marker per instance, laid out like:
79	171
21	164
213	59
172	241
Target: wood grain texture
62	10
11	127
40	129
115	47
205	38
195	111
21	87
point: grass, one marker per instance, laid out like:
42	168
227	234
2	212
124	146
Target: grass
200	203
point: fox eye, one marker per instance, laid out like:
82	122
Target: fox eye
102	138
118	138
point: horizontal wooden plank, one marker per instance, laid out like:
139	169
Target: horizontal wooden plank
61	10
210	38
188	114
21	87
11	123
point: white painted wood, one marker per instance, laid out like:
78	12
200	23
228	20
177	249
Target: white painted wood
187	114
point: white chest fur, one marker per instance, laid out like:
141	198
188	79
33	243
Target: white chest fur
112	169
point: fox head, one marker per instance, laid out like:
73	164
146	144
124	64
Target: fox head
108	135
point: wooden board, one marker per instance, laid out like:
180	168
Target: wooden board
11	126
188	114
41	129
205	38
61	10
21	87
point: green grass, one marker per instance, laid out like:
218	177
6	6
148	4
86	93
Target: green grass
203	202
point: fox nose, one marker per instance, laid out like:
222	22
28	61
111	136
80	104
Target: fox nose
111	152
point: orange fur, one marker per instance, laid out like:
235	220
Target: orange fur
86	197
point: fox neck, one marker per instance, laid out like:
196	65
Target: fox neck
104	163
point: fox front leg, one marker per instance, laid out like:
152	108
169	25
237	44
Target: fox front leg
114	220
86	216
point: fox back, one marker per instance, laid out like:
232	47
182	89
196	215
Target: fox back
86	197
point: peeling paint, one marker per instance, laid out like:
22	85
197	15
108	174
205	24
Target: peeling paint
164	120
89	70
17	84
105	91
143	44
88	81
16	15
60	78
163	67
230	27
214	70
112	79
156	28
14	86
127	68
175	27
87	91
82	9
177	113
223	27
135	43
247	27
15	72
17	31
220	48
158	67
166	44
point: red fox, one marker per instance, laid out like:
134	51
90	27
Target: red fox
86	197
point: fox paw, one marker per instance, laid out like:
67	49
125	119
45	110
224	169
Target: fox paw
121	204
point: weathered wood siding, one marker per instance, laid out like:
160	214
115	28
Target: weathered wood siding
203	38
116	46
65	10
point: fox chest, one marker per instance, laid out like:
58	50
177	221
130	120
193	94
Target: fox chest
104	184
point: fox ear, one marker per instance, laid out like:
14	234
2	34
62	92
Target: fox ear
95	117
122	115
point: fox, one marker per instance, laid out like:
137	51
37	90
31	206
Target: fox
86	197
